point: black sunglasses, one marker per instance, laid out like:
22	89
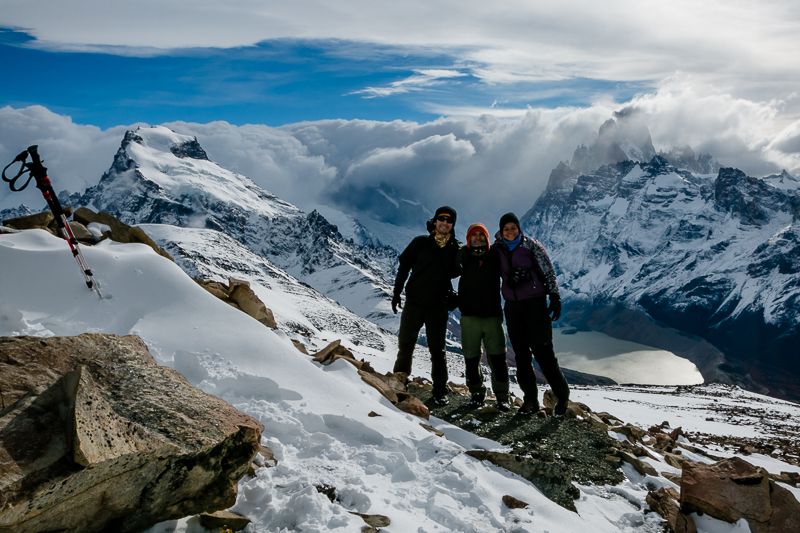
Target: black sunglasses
444	218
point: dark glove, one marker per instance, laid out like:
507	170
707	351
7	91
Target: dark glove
396	302
555	307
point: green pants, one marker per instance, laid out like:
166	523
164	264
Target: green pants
489	331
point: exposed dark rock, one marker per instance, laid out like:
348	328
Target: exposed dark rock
550	452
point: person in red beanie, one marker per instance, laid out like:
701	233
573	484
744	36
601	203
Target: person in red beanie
482	317
431	262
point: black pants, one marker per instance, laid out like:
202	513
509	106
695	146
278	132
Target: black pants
531	333
434	318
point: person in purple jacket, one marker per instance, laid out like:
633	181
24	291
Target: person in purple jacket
529	281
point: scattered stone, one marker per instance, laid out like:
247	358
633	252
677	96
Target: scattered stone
609	419
664	501
412	405
513	503
674	460
36	221
224	519
374	520
81	233
332	352
631	432
432	429
120	231
375	381
300	346
372	414
790	478
266	457
642	467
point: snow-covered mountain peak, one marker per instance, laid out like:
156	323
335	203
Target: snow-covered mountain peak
784	181
158	161
161	177
619	139
717	257
161	138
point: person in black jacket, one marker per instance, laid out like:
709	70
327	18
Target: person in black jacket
431	261
482	317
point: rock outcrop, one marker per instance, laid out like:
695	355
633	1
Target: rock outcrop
733	489
392	386
96	436
240	295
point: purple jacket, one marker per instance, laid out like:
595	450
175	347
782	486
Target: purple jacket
531	256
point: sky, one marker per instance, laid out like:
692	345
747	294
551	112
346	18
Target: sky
319	419
471	100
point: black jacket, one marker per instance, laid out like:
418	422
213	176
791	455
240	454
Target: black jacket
479	286
431	269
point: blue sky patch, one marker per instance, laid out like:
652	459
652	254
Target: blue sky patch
274	82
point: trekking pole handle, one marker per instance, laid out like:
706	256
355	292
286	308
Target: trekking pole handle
35	168
23	168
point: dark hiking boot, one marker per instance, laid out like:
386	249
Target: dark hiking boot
440	400
560	408
531	409
476	400
502	405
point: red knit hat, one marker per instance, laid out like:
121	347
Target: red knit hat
477	228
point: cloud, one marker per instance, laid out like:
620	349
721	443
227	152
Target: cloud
480	163
421	78
75	155
740	46
686	110
274	159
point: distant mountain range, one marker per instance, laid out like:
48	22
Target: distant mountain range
653	250
667	249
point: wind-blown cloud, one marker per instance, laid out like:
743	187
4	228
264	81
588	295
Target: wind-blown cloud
740	46
481	164
422	78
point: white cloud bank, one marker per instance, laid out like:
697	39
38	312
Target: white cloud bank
482	165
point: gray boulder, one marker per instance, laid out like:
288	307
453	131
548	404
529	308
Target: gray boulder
95	435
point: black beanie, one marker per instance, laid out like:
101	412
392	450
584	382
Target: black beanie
446	210
509	217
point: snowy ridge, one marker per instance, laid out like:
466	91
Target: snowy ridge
718	257
317	418
300	311
162	177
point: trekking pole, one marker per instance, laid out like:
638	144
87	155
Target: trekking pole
37	171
